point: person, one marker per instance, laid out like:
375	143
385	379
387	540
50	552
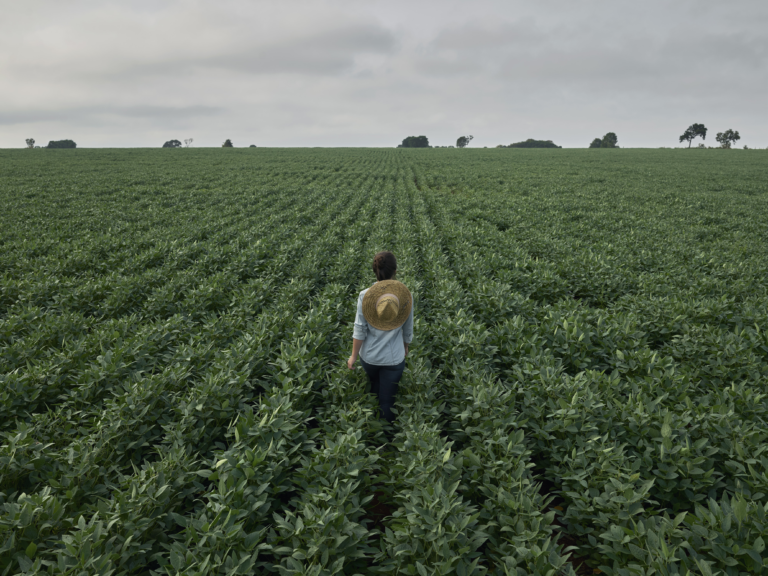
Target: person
383	331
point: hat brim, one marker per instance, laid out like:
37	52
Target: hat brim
377	291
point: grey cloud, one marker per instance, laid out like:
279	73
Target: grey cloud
98	114
328	52
151	112
322	51
521	52
475	37
733	49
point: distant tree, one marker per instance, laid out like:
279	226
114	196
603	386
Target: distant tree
188	142
227	143
609	141
252	146
694	131
596	143
531	143
61	144
463	141
30	142
172	144
727	138
415	142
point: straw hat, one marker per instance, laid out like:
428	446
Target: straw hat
387	304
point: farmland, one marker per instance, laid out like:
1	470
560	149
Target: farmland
588	377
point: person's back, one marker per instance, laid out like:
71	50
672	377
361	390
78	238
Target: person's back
383	331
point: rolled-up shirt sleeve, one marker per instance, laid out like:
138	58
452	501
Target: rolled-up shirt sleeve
408	328
361	324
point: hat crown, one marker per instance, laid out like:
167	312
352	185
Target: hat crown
387	309
387	304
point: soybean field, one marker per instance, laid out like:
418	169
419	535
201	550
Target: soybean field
586	392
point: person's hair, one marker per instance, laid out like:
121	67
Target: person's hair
384	266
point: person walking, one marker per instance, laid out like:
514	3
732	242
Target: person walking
383	331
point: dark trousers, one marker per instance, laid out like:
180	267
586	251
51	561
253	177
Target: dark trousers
384	383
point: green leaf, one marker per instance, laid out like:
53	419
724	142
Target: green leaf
705	568
31	550
740	509
756	558
175	560
759	545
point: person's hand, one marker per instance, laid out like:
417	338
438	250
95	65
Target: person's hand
406	348
351	362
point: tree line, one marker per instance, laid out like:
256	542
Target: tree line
52	144
176	144
726	139
610	140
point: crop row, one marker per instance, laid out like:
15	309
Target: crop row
628	437
219	392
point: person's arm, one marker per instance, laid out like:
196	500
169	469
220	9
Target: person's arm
359	332
356	345
408	331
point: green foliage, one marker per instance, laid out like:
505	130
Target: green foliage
610	140
586	381
463	141
172	144
727	138
531	143
415	142
227	143
694	131
61	144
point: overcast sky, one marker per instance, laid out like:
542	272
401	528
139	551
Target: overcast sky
369	73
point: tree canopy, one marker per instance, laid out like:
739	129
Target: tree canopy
415	142
728	137
227	144
463	141
30	142
61	144
596	143
610	140
172	144
694	131
531	143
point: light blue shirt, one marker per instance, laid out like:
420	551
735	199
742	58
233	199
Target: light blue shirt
381	347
